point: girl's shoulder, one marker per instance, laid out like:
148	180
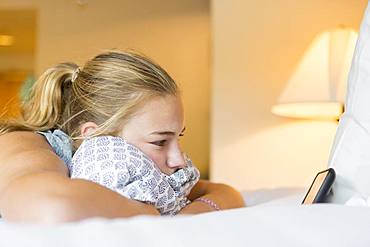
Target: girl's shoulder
16	141
23	152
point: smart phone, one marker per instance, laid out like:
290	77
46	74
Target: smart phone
320	187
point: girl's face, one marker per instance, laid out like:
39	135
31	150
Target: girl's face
155	129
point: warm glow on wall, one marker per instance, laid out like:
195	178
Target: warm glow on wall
310	110
291	155
6	40
317	87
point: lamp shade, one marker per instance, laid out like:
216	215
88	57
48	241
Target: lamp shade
316	89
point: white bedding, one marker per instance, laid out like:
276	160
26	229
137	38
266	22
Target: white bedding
279	222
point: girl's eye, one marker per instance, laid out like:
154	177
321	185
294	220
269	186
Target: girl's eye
159	143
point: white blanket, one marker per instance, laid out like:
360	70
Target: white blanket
269	224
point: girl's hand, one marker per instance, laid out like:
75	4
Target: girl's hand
223	195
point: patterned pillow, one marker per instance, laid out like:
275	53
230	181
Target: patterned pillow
121	167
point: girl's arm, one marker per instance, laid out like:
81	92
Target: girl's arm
35	187
223	195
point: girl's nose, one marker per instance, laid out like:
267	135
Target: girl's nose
175	157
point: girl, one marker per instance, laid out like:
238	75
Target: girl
117	94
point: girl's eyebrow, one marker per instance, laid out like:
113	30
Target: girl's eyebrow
166	132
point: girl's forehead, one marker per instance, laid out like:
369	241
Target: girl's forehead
159	114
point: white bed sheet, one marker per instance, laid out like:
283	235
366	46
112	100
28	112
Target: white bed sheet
278	222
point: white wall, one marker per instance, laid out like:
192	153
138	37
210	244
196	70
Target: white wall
256	46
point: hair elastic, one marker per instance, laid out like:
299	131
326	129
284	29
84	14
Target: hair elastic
209	202
75	74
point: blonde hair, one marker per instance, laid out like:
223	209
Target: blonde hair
107	91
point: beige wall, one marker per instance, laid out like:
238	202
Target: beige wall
256	46
174	33
16	61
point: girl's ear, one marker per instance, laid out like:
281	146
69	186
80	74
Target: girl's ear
88	128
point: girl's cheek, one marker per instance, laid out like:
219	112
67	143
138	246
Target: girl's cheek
158	159
158	155
153	154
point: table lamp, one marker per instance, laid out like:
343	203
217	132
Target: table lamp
316	89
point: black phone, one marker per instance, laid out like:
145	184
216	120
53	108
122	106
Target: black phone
320	187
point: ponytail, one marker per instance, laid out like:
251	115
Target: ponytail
43	107
107	91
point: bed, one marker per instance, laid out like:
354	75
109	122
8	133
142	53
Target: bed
278	222
273	217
